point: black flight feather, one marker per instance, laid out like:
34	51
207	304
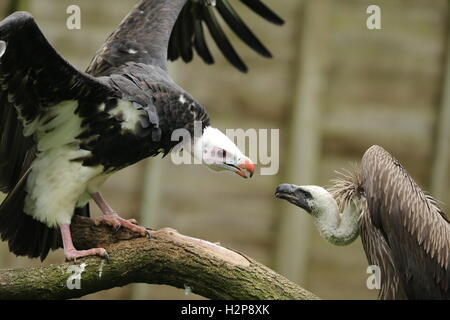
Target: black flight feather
261	9
199	11
240	28
186	33
199	39
221	39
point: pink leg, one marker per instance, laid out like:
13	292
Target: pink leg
69	250
111	218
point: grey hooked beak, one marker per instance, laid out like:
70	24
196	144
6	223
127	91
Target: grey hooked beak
295	195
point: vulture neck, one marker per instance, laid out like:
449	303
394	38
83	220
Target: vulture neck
338	228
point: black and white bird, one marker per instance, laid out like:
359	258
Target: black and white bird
403	231
63	132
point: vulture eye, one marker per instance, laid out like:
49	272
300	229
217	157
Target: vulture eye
222	154
306	194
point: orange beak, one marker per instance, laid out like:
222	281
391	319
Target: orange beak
246	168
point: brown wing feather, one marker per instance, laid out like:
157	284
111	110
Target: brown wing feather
410	222
378	254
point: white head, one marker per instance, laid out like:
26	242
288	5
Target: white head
219	153
314	199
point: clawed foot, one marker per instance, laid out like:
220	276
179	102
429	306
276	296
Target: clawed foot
73	254
117	222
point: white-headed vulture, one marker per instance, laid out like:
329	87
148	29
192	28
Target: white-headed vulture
63	132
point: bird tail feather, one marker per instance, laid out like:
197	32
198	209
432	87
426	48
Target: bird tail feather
26	236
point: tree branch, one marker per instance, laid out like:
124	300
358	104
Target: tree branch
168	258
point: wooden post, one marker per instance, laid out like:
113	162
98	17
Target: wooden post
149	213
305	135
440	175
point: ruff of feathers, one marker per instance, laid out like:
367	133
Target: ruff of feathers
347	187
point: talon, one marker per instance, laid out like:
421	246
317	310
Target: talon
111	218
117	222
148	234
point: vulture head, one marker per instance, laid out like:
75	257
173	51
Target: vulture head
313	199
219	153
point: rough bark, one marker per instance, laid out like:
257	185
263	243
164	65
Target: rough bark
167	258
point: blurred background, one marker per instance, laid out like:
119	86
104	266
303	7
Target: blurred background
334	88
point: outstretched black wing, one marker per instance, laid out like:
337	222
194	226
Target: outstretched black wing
33	78
159	29
416	232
